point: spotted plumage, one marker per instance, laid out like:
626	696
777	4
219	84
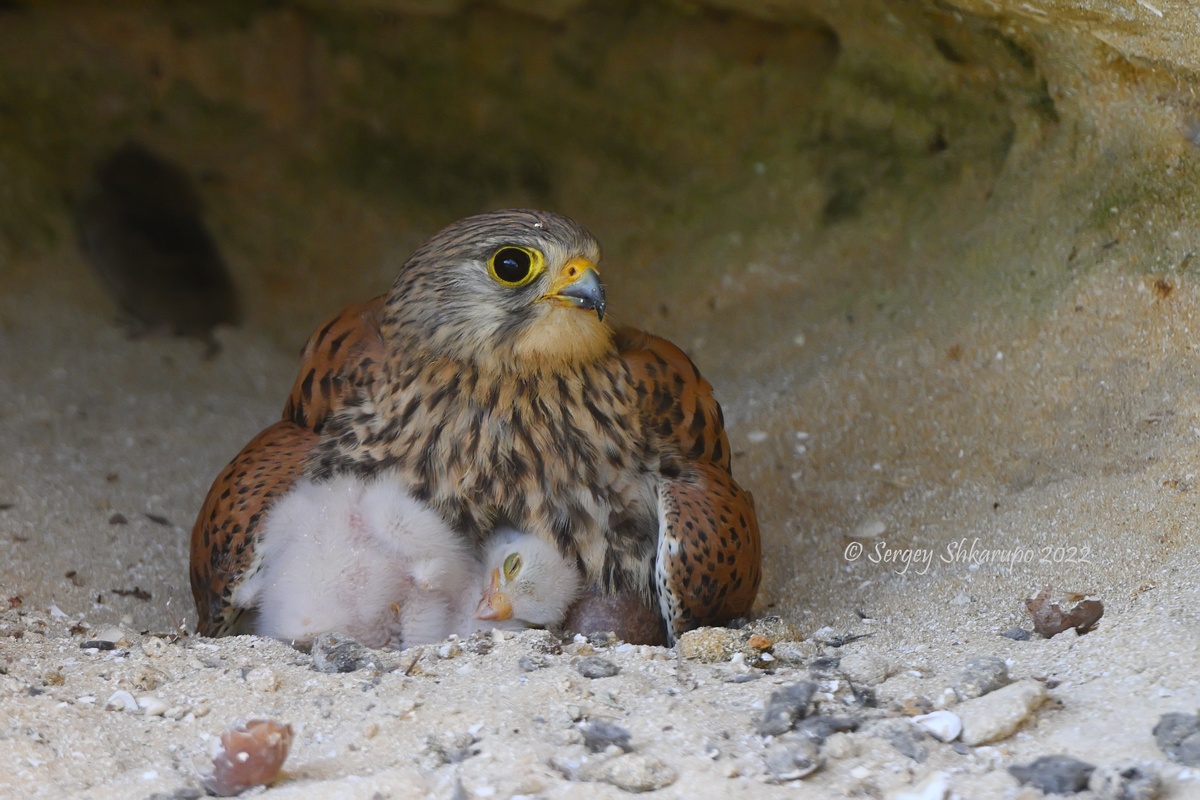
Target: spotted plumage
488	383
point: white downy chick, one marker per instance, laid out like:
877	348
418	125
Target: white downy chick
524	582
359	557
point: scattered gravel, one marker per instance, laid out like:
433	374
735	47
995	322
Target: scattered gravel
786	707
943	725
600	734
596	667
1130	782
336	652
1178	735
998	714
979	676
1054	774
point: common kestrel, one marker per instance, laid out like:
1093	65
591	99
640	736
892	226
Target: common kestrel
487	384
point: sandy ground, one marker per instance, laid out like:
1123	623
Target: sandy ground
1075	427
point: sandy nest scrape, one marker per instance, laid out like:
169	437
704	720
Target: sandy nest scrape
501	716
99	429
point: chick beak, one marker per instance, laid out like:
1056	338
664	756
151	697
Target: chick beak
579	285
494	604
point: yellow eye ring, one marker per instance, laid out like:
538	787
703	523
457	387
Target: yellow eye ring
515	266
512	565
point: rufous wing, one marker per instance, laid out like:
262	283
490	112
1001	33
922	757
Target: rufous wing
224	536
339	358
709	560
676	401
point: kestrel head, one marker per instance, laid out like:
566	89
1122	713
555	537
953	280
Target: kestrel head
528	581
516	290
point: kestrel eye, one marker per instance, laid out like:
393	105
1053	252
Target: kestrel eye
515	266
512	565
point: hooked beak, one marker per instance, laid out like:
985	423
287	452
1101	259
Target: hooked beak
579	285
494	604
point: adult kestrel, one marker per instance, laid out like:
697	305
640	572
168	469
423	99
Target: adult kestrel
488	385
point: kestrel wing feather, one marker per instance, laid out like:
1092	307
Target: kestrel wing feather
339	358
709	562
676	401
223	539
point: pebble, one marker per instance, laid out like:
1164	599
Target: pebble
714	645
840	746
121	700
148	678
979	676
531	662
632	772
905	737
775	628
936	786
153	647
820	728
540	641
114	635
795	653
336	652
152	706
945	726
262	679
998	714
1054	774
865	668
791	758
1017	634
596	667
635	772
1128	782
450	748
600	734
786	707
1178	735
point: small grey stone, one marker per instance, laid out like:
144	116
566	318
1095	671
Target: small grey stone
1017	634
1189	751
905	737
531	662
595	667
822	727
1054	774
1128	782
600	734
791	758
479	643
865	668
979	676
635	772
337	652
540	640
602	638
450	748
786	707
1178	735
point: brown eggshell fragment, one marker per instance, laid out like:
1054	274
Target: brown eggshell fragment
252	754
1052	614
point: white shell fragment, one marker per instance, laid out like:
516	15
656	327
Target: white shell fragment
945	726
